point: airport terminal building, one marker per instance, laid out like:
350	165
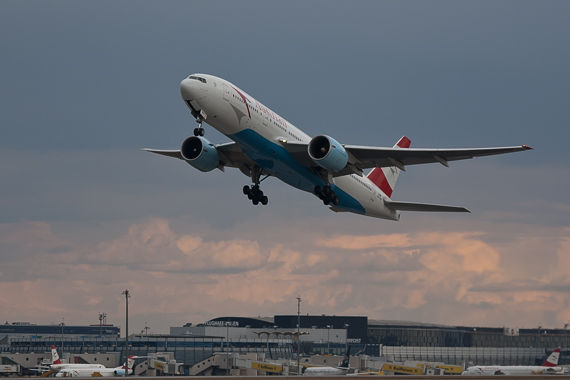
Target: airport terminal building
277	337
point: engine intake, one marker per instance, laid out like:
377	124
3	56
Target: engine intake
328	153
200	153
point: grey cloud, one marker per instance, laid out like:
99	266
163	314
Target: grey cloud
445	74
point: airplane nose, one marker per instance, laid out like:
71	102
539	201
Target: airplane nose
193	89
188	89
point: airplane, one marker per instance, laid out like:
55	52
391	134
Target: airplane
549	367
265	144
342	369
98	372
57	365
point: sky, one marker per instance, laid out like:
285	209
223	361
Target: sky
85	214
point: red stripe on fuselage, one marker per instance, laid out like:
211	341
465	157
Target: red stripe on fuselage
379	179
244	100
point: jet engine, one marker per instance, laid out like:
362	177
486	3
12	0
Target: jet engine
328	153
200	153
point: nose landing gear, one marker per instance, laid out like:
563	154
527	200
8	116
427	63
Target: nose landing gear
200	130
327	195
254	193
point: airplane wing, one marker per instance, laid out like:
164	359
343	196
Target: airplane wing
364	157
230	154
412	206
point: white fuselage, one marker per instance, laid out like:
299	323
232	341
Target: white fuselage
513	370
324	371
261	133
92	372
72	366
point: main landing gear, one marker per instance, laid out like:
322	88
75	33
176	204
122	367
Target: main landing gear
254	193
200	130
327	195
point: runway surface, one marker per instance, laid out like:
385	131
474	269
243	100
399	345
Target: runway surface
400	377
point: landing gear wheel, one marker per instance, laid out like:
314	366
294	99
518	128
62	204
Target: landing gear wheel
327	195
199	131
254	193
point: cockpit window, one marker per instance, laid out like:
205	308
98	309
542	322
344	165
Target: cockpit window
203	80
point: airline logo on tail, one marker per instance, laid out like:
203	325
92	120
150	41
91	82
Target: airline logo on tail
54	356
130	361
385	178
552	360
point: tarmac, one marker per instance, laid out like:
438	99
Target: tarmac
399	377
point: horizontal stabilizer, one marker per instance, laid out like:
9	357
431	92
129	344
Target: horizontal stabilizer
411	206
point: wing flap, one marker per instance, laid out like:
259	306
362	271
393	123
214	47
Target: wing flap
368	157
364	157
412	206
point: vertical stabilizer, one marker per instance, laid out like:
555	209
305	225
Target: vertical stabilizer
385	178
54	356
552	360
131	362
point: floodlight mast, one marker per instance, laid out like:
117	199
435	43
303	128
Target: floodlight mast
298	336
127	296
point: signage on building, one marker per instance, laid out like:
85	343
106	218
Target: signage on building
222	323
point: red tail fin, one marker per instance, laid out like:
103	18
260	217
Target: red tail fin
385	178
54	356
552	360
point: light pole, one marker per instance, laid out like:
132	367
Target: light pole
62	324
227	349
298	336
346	326
127	295
102	320
329	339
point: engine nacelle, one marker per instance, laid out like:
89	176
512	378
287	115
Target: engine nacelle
328	153
200	153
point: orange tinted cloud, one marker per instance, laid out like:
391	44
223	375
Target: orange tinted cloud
355	242
438	276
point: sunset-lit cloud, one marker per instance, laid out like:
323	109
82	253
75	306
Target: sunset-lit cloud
351	242
392	276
